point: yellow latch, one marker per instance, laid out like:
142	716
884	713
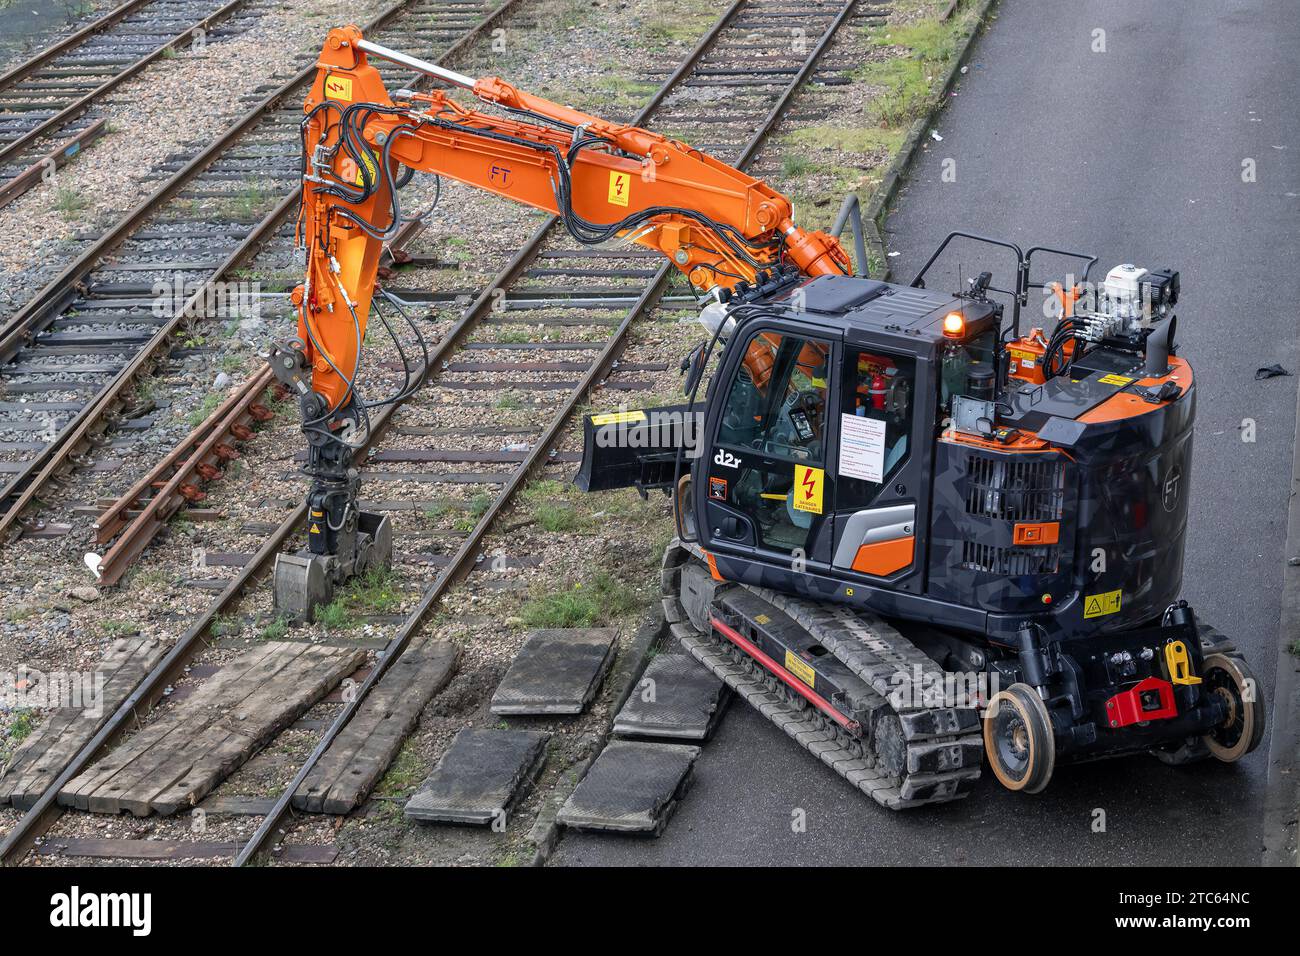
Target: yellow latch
1180	666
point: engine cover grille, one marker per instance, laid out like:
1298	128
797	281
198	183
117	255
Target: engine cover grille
1018	488
1009	561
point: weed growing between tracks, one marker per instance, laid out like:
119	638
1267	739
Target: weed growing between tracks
597	600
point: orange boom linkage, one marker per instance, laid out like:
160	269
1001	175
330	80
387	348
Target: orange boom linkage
604	180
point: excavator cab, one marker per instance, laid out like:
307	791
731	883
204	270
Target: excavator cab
817	432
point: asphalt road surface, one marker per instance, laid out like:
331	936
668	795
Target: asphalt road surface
1135	154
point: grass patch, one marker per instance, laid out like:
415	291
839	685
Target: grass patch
24	722
664	29
478	507
404	775
225	625
205	408
336	615
929	38
23	725
908	83
1295	648
794	165
544	489
437	512
118	628
247	204
146	389
599	600
14	613
508	402
374	591
276	630
153	578
905	91
861	140
557	518
69	202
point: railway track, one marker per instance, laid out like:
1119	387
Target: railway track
589	298
72	354
47	103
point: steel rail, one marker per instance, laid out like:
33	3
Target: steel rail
466	555
204	445
58	293
46	811
113	518
58	156
62	288
80	106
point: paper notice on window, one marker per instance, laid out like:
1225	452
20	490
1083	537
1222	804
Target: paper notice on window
862	448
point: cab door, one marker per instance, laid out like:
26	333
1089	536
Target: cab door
765	484
881	464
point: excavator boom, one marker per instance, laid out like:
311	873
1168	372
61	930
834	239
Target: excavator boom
605	181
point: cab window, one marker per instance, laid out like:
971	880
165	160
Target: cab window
777	404
876	429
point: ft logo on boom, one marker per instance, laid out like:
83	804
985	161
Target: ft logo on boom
499	176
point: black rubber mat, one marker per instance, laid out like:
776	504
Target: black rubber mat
556	672
676	697
480	777
633	787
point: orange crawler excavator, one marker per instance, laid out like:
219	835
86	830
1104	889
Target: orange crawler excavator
913	536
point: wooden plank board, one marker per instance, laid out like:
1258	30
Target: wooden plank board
178	759
42	756
349	769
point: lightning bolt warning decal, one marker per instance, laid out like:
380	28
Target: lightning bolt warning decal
620	186
808	483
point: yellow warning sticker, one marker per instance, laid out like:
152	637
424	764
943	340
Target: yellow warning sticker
1099	605
800	669
808	484
617	418
315	529
620	187
1120	380
1026	359
338	87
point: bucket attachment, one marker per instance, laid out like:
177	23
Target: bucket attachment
304	581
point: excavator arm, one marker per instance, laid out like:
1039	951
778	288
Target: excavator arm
605	181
